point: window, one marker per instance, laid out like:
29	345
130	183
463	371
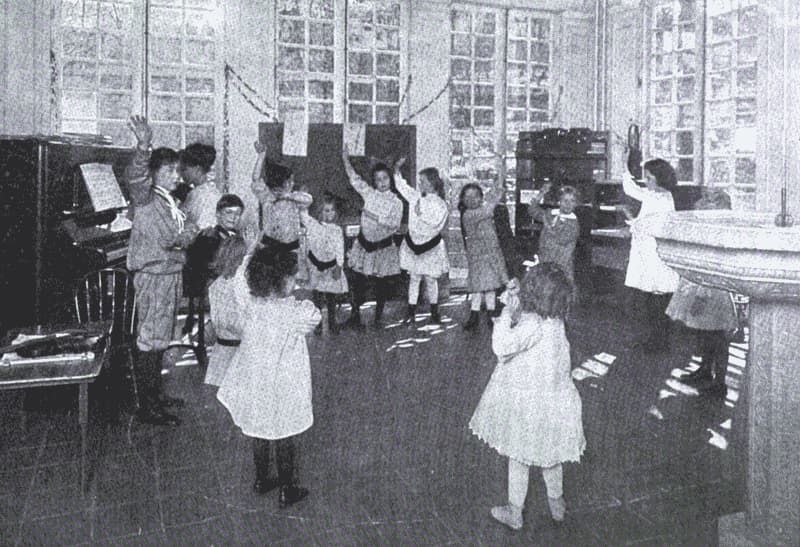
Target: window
316	72
473	66
730	105
726	99
307	43
374	63
671	88
98	77
99	60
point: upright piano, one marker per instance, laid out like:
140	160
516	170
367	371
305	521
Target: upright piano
50	233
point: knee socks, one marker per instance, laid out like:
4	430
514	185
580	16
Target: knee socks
518	475
431	289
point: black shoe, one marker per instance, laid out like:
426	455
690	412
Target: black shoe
354	323
318	330
171	402
700	375
262	486
155	416
291	494
435	317
714	390
472	322
333	327
490	315
411	316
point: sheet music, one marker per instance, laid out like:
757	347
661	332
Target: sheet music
103	187
354	136
295	134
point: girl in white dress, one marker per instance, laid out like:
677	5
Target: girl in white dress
423	254
267	388
325	259
374	257
227	295
531	411
646	271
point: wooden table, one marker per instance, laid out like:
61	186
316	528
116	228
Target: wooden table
22	375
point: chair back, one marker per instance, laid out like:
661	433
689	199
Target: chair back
107	295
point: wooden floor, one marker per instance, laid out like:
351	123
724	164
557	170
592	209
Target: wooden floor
390	460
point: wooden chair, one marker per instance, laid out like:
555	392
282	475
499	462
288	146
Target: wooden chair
108	295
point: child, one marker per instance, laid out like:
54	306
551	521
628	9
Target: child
326	259
227	296
560	232
273	185
646	272
422	253
201	202
711	314
197	272
485	261
374	255
531	411
267	388
156	254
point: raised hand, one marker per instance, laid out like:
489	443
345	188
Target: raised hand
260	147
398	164
142	130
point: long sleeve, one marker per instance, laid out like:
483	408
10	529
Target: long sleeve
308	317
312	225
411	195
537	212
262	192
508	340
359	185
631	189
137	175
340	247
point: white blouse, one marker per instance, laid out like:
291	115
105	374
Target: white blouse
432	215
383	206
325	240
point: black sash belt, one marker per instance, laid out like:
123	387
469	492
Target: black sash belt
372	246
280	245
229	343
319	264
423	247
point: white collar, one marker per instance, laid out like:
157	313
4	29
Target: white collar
562	216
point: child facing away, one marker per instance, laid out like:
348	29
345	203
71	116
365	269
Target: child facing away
227	296
531	411
560	231
423	254
326	259
485	262
711	315
273	185
200	204
373	256
267	388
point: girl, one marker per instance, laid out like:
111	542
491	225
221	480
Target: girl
711	314
531	411
273	185
423	253
646	272
267	388
200	205
326	259
560	232
226	295
485	261
374	255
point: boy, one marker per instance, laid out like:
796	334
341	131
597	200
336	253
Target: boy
156	254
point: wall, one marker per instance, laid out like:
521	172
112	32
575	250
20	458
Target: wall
25	66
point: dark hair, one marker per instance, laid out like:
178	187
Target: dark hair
268	268
275	175
663	172
380	166
229	256
161	157
464	189
229	200
432	174
198	155
547	291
